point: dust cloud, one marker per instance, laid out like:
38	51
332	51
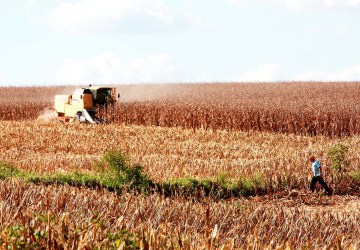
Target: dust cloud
148	92
47	115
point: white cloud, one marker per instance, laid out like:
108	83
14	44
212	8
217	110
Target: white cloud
341	29
2	80
111	14
202	76
264	73
234	2
30	3
304	4
274	72
109	68
315	4
16	81
351	73
311	76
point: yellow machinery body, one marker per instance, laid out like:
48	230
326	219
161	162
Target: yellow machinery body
82	105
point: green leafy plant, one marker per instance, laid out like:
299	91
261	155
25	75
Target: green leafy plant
356	175
119	171
124	239
8	171
225	182
337	155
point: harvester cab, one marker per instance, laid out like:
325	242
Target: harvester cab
83	104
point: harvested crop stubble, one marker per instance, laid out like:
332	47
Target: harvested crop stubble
234	223
167	153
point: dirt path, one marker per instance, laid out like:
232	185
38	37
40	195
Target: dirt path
309	201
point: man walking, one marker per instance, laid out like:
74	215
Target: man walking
316	167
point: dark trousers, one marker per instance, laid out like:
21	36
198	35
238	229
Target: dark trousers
319	179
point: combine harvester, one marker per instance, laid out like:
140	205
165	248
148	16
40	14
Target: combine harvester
82	106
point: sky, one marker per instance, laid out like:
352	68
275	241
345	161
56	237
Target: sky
173	41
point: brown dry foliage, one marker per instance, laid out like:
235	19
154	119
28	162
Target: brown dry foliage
235	224
330	109
168	153
216	116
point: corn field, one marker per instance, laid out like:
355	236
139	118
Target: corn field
169	153
63	217
203	131
330	109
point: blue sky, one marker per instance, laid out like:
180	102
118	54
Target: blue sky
141	41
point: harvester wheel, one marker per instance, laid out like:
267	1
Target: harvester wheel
76	119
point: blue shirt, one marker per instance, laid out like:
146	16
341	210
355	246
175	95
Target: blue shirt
316	168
